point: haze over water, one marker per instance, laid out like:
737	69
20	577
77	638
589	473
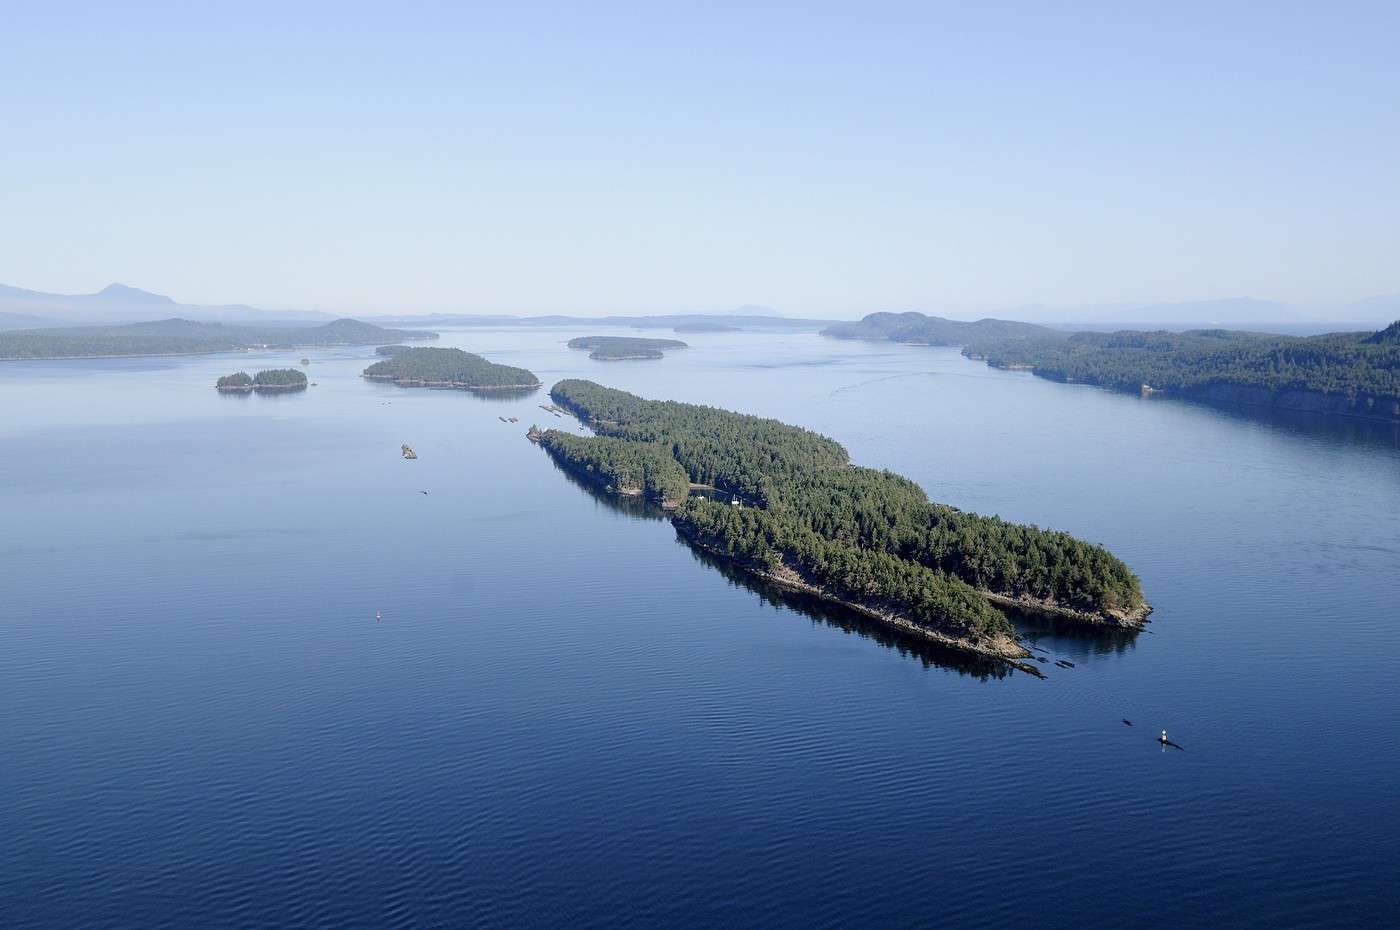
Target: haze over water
565	717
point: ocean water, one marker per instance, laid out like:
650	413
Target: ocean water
566	717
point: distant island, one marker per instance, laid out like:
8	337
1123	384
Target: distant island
1349	374
186	337
705	328
791	508
617	348
270	381
446	368
747	318
918	329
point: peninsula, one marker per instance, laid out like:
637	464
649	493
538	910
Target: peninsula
447	368
787	504
186	337
618	348
1347	374
264	382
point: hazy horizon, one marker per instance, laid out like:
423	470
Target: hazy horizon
822	162
119	301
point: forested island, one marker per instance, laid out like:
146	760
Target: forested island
618	348
270	381
447	368
747	318
919	329
1353	374
793	509
186	337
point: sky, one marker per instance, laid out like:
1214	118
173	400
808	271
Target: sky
823	160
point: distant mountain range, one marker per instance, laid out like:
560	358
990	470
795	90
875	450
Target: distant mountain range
1228	312
1221	310
1245	313
1233	313
21	308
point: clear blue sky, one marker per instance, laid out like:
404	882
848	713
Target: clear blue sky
821	159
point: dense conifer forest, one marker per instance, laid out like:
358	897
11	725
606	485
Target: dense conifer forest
238	381
439	367
613	348
792	502
186	337
280	377
627	467
934	330
275	379
1355	373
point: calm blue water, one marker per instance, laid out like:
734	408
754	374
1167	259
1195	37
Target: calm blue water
567	718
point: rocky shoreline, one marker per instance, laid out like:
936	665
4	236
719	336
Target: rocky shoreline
262	389
1005	649
1125	620
448	385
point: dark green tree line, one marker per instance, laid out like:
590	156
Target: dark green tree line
454	367
802	489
